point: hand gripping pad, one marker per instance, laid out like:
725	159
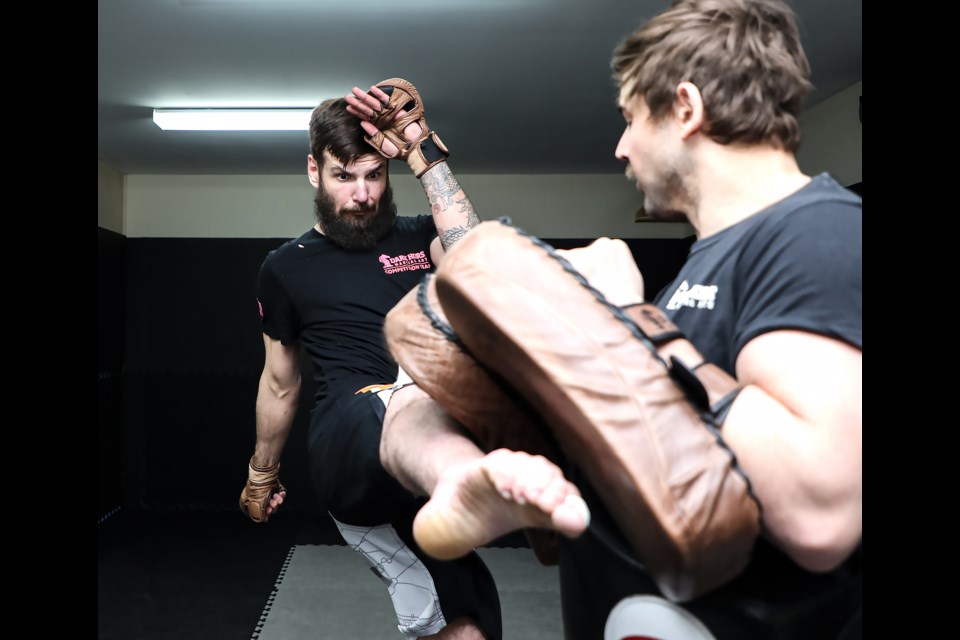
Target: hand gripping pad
619	391
262	483
424	152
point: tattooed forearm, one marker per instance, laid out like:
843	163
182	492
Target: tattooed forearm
451	209
449	237
440	183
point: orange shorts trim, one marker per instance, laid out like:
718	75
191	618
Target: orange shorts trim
374	388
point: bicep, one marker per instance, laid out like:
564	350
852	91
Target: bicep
797	430
816	378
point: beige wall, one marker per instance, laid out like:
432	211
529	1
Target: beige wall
550	206
833	137
554	206
109	198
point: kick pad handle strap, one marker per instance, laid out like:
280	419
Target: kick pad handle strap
708	387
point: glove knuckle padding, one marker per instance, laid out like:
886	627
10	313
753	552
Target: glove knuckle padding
262	483
616	387
424	152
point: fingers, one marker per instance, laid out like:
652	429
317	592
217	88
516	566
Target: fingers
275	502
379	94
412	131
372	102
356	112
609	266
366	105
359	109
368	127
379	141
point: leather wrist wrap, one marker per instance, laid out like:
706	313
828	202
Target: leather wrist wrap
430	152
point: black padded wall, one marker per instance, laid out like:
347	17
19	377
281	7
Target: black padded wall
194	354
110	328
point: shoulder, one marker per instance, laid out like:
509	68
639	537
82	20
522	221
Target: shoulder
821	204
823	189
284	252
802	266
822	219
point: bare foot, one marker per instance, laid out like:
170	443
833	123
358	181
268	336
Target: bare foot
481	500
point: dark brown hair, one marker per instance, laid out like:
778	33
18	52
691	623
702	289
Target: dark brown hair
333	129
744	56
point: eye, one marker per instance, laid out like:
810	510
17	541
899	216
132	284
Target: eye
374	175
343	177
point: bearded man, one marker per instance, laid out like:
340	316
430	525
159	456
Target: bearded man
329	291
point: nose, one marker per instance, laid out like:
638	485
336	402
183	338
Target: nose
362	192
621	150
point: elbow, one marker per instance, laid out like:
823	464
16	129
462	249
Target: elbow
284	390
822	544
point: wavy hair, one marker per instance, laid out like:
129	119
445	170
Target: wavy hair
744	56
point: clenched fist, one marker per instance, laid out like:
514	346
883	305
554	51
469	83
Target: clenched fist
262	484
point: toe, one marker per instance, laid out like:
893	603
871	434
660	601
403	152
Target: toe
572	517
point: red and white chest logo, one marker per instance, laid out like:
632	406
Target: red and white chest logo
405	262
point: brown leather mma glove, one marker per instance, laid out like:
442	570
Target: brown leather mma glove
424	152
627	396
262	483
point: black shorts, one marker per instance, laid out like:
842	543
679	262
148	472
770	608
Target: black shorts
375	516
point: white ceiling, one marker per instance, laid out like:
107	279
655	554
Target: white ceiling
512	86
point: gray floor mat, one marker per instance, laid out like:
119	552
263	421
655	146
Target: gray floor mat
328	592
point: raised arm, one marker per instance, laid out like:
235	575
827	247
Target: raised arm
797	429
392	115
451	208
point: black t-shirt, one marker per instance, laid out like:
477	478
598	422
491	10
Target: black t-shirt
795	265
334	301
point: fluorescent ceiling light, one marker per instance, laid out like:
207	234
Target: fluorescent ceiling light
232	119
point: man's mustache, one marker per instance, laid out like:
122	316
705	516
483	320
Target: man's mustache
361	209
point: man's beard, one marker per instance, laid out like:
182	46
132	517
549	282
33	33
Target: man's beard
655	200
350	232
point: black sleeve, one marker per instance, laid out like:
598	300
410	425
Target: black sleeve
428	227
805	273
278	315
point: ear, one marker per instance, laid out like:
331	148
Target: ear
688	109
313	171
